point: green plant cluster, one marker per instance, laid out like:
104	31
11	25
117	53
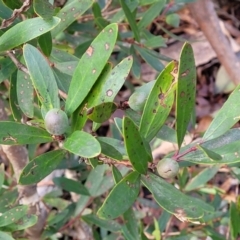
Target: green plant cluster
69	71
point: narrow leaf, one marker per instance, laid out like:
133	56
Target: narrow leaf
25	93
40	167
42	77
186	91
13	133
26	31
122	196
226	117
90	67
131	19
212	155
184	207
7	68
202	178
71	185
117	176
69	13
82	144
134	145
45	43
159	103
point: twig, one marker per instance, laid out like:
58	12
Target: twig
206	17
19	65
7	22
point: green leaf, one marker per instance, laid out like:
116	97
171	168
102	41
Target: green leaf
167	134
101	112
26	31
69	13
45	43
149	58
1	178
117	176
134	145
130	228
138	99
184	207
43	8
202	178
13	215
118	145
7	68
5	236
153	11
225	145
71	185
23	223
42	77
234	220
82	144
226	117
90	67
159	103
131	20
13	101
173	19
155	42
40	167
25	94
122	196
118	123
186	91
212	155
102	223
13	133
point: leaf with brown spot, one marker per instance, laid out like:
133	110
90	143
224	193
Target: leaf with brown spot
186	91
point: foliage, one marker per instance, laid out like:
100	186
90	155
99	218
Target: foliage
61	62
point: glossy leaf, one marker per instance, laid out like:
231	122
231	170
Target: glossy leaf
71	185
226	117
149	58
12	215
122	196
90	67
43	8
26	31
13	133
102	223
42	77
159	103
7	67
116	144
202	178
40	167
101	112
134	145
45	43
186	91
184	207
25	93
69	13
82	144
131	20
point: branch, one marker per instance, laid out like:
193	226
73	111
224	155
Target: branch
206	17
16	13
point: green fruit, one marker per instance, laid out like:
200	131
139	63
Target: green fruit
56	121
167	168
137	101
